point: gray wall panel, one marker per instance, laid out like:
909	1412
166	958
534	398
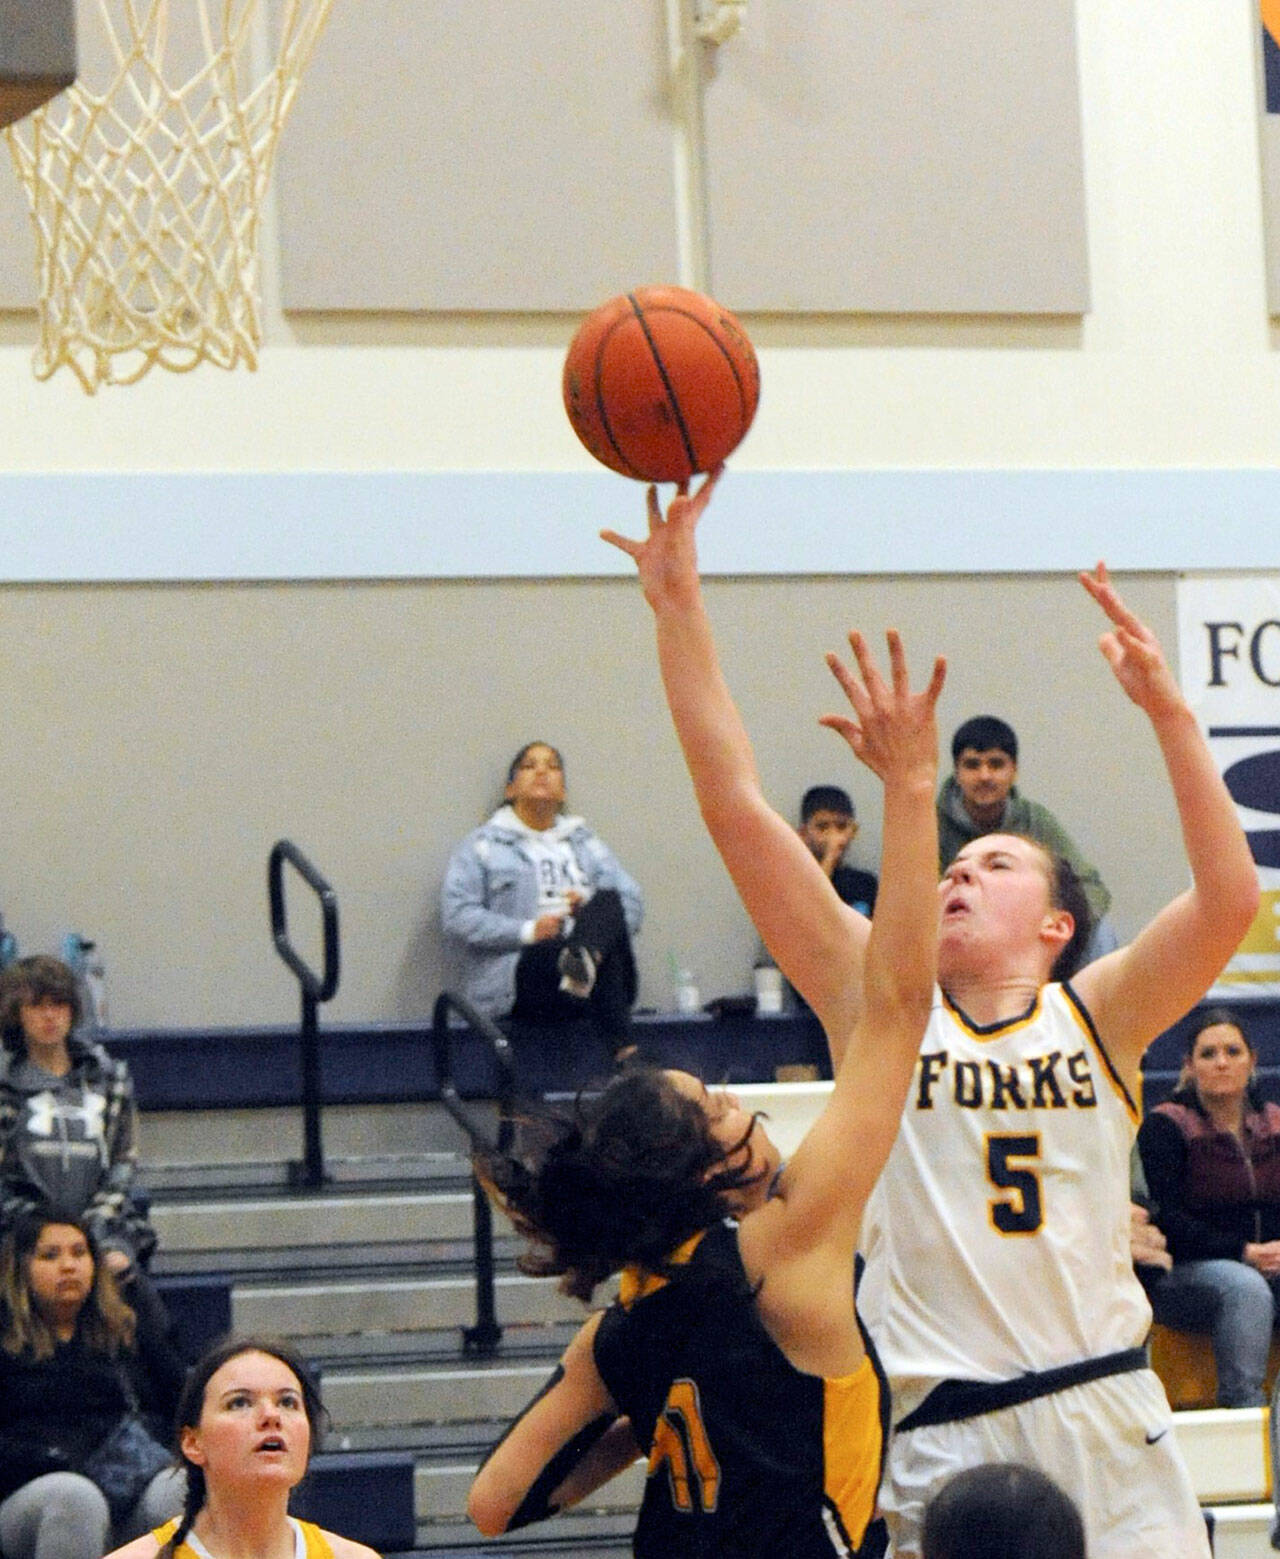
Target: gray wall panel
475	154
898	158
18	289
169	734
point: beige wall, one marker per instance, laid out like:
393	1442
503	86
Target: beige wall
161	739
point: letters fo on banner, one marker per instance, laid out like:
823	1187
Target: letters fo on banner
1229	657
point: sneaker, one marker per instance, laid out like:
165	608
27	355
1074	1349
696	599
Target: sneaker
577	971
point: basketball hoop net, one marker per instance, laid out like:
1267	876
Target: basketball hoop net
146	195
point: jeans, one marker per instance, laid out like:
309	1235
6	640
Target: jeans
61	1515
1237	1306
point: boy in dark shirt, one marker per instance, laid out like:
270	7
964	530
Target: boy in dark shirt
828	825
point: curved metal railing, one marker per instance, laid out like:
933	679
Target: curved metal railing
315	988
485	1335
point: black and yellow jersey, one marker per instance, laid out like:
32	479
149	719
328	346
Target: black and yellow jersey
747	1455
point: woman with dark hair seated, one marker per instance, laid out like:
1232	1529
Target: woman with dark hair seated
77	1371
1211	1158
733	1359
248	1420
541	911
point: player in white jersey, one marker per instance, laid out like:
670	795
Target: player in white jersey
999	1286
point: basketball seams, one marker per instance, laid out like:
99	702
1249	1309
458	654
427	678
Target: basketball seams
597	381
673	399
671	308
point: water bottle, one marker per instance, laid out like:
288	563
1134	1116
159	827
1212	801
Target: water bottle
688	999
95	984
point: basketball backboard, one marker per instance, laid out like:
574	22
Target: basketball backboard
37	54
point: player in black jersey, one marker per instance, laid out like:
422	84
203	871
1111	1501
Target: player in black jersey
733	1360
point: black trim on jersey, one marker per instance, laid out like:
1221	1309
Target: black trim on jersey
991	1028
1073	997
882	1380
955	1400
536	1505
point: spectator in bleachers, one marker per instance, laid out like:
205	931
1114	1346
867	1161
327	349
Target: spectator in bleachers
248	1420
1002	1510
541	910
76	1364
981	796
68	1122
829	825
1211	1159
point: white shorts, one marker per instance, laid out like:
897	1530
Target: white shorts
1109	1443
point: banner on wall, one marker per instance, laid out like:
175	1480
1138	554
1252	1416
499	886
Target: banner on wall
1229	657
1269	135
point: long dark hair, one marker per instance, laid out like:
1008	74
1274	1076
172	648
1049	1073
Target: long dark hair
622	1178
191	1406
105	1324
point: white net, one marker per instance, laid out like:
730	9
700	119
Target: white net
146	182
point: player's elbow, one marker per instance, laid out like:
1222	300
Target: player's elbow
486	1511
1242	908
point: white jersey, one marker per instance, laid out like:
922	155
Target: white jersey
997	1238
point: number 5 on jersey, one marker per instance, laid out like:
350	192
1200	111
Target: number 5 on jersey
1019	1209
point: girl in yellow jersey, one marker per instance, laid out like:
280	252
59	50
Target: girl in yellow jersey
733	1360
248	1418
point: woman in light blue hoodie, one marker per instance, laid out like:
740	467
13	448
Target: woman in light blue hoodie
540	910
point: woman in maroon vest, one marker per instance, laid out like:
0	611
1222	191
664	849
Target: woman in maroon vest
1211	1156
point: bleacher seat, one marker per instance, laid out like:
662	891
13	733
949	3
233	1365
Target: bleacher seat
1184	1363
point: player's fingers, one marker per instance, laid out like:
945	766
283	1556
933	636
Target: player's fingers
709	483
843	726
873	682
897	663
653	506
1110	647
623	543
936	681
853	689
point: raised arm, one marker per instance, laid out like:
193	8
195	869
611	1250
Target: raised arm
801	1243
816	941
1136	992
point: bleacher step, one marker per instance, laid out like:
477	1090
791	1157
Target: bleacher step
374	1171
483	1391
1242	1531
269	1223
1226	1452
584	1535
440	1492
336	1309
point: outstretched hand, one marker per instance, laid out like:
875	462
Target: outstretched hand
667	558
895	731
1132	650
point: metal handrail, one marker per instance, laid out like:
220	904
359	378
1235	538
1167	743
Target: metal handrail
315	988
486	1335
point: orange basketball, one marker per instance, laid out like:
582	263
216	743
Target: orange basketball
661	383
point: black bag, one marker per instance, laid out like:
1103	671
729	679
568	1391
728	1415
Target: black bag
124	1463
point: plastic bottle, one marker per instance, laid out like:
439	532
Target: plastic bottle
688	998
95	983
